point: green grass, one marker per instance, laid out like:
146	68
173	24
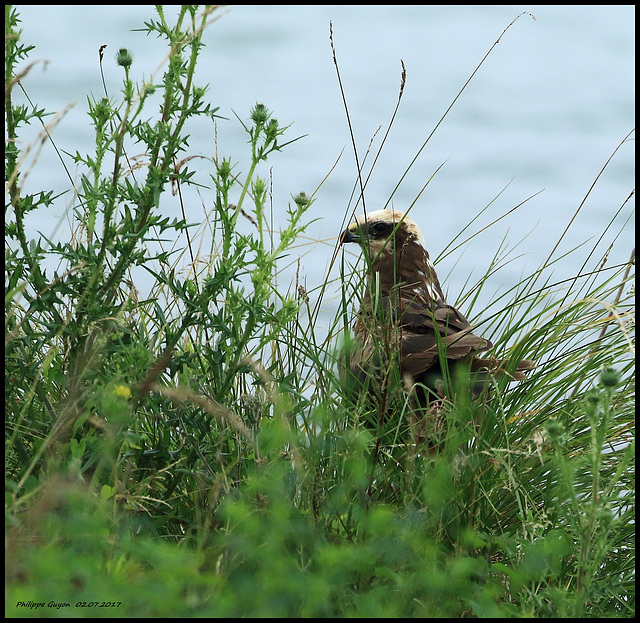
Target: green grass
190	452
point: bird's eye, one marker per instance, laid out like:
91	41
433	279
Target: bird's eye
380	228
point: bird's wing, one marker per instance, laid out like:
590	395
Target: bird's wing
420	318
423	329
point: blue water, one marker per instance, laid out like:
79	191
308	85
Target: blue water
545	112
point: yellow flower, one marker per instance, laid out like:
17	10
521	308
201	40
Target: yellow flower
123	391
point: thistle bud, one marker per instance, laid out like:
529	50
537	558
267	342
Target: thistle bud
124	58
260	114
609	377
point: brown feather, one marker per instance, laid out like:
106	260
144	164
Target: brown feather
404	312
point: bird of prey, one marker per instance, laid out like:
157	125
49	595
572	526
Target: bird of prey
405	321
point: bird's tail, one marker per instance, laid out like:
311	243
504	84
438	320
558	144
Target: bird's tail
498	367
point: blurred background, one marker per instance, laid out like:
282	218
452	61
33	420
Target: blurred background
544	113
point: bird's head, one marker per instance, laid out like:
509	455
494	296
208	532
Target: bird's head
382	232
398	255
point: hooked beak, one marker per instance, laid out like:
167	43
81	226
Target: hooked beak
350	234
